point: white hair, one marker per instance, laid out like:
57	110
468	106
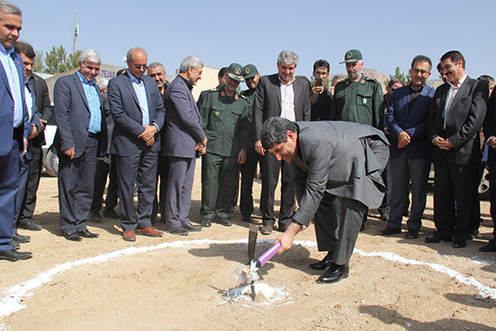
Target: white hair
287	57
89	55
190	61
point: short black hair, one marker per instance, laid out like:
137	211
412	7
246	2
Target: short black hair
274	131
23	47
120	72
439	67
454	56
222	72
422	58
486	78
322	63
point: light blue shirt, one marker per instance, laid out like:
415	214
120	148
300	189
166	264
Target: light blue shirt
139	88
14	83
94	104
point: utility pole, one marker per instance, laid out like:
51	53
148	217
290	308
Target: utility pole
76	31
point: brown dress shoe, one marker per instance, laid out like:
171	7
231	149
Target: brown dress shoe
149	231
129	235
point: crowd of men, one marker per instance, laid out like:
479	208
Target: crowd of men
145	135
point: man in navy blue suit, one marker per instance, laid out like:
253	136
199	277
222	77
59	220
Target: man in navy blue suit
406	117
81	132
13	126
138	111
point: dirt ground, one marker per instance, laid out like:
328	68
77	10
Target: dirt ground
179	282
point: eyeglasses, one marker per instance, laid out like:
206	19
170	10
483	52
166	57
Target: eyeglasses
419	71
139	66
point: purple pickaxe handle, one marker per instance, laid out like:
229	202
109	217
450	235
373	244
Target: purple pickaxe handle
269	254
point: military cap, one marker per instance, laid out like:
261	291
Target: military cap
249	71
235	71
353	55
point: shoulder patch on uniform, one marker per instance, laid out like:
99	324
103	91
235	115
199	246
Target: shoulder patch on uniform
242	96
370	79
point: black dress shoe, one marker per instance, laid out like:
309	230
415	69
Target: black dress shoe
362	227
225	221
21	239
28	225
437	238
334	274
13	255
87	234
458	243
74	236
324	263
15	245
412	234
206	222
111	214
179	230
247	219
94	217
474	234
192	228
491	247
388	231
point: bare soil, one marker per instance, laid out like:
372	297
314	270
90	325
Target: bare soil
181	286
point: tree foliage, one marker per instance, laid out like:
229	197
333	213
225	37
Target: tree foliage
405	78
39	64
57	60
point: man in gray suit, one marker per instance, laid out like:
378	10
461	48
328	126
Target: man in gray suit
183	138
81	131
279	95
138	111
330	159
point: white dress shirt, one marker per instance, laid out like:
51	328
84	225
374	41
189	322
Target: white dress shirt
287	100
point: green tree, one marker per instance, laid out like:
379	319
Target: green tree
400	75
39	62
58	61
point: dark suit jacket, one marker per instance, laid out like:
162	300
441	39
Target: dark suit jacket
268	101
7	106
490	123
42	101
341	158
463	122
35	119
183	121
398	120
128	119
72	114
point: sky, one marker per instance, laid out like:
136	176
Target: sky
389	33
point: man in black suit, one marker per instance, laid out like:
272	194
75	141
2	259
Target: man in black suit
81	133
156	71
490	135
138	111
456	116
42	103
279	95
